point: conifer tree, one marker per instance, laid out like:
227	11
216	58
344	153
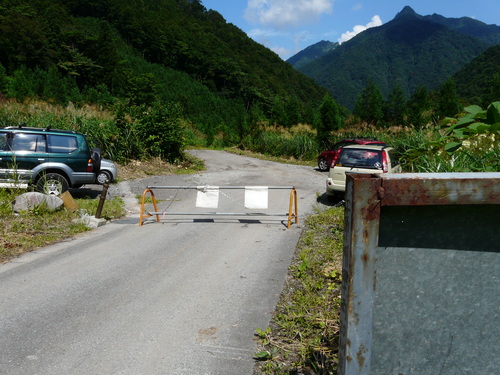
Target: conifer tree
370	104
448	102
419	108
329	119
395	110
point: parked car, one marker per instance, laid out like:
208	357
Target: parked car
360	159
325	159
51	160
108	172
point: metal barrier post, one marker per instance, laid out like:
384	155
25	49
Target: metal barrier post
293	208
142	216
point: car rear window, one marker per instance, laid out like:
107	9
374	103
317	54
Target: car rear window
371	159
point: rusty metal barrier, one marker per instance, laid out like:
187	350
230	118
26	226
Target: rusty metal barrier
292	214
421	274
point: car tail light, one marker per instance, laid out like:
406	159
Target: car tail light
334	160
385	163
90	166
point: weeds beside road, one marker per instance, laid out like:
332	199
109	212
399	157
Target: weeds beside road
303	335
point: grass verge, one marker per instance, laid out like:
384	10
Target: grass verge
38	227
303	334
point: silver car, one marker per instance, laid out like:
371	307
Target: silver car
108	172
360	159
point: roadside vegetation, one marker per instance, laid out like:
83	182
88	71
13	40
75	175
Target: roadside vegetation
29	230
303	335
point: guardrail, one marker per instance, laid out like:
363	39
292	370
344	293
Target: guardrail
209	201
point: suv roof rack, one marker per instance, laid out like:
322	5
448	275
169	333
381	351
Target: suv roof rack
46	129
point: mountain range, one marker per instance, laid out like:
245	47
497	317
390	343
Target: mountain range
410	51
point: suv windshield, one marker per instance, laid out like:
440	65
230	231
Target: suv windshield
361	158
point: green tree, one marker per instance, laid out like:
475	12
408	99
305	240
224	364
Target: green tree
370	104
292	108
395	109
107	57
140	89
163	131
448	102
494	94
419	108
329	119
20	84
3	79
278	112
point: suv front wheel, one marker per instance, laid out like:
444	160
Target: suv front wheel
52	184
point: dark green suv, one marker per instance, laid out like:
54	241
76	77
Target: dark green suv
51	160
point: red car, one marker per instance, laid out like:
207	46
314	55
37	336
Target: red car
326	157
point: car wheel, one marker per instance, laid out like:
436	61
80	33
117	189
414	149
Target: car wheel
322	164
102	176
52	184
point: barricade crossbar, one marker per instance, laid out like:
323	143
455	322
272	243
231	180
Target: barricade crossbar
292	213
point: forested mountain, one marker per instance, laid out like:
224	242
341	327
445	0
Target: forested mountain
311	53
175	51
408	52
468	26
479	81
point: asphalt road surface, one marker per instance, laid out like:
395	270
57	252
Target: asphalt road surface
183	296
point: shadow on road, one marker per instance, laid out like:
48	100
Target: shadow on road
336	201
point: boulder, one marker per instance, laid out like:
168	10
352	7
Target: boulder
29	201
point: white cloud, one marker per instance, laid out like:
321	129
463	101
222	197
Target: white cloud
376	21
285	14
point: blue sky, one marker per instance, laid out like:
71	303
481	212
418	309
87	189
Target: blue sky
289	26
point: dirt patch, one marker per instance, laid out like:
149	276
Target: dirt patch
139	169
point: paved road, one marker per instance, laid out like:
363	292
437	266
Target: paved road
183	296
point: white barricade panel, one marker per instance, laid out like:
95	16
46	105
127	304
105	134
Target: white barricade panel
207	197
256	197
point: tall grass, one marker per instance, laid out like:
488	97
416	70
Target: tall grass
298	142
120	138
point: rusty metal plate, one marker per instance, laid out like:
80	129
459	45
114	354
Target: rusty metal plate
410	189
421	274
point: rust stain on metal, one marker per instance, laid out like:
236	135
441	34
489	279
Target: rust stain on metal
360	356
437	191
381	193
371	212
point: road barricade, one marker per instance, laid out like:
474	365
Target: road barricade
256	197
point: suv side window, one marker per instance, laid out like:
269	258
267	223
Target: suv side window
62	144
29	142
